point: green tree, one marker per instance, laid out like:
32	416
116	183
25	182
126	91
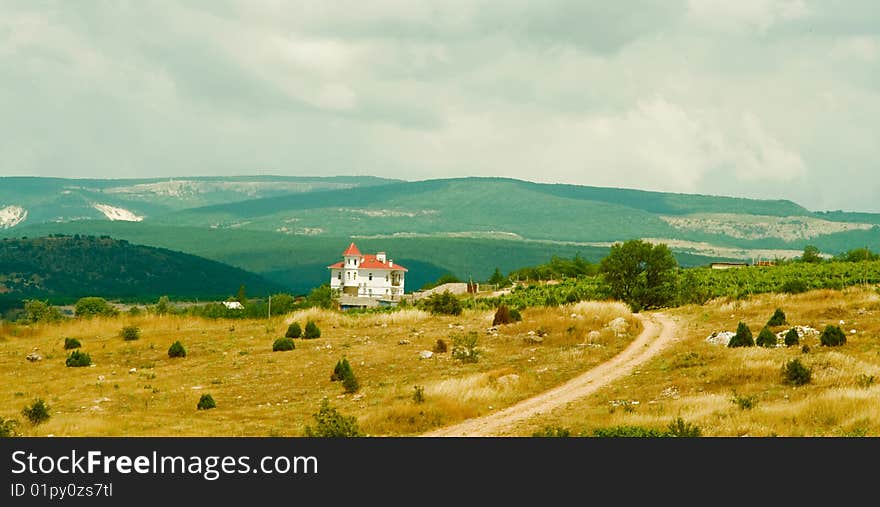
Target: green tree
792	337
777	319
293	331
811	254
241	295
766	338
640	274
743	337
311	331
498	279
322	297
40	311
94	307
442	303
282	303
163	306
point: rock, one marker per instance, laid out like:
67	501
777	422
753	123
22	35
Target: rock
842	322
533	339
101	378
619	326
426	354
33	357
852	331
594	335
358	396
133	370
720	337
531	333
403	342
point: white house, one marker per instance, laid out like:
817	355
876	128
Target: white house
367	275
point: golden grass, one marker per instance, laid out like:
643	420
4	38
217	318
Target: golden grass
698	381
265	393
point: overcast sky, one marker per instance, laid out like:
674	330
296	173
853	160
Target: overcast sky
759	98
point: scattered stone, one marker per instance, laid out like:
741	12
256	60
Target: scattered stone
720	337
852	331
403	342
358	396
508	380
133	370
101	378
594	335
34	357
842	322
426	354
619	326
533	339
670	392
195	388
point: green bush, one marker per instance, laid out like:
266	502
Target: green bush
312	330
293	331
552	431
206	402
515	315
464	347
444	303
331	424
283	344
176	350
130	333
40	311
77	359
440	347
795	373
863	380
743	337
766	338
340	370
832	336
680	428
71	343
349	381
744	402
792	338
777	319
628	432
794	287
8	428
94	307
37	412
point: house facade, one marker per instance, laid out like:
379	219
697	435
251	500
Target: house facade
367	275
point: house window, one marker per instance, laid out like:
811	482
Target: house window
386	277
339	275
371	292
371	276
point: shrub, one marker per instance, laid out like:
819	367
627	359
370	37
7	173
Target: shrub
832	336
283	344
419	394
293	331
805	349
176	350
515	315
777	319
766	338
744	402
743	337
340	370
8	428
795	373
680	428
349	381
71	343
552	431
40	311
77	359
93	306
331	424
792	338
444	303
794	287
37	412
440	347
502	316
464	347
206	402
628	432
130	333
312	330
865	381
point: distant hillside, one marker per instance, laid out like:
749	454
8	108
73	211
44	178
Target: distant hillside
64	268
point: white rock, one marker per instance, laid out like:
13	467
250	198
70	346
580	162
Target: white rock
508	380
594	335
133	370
426	354
852	331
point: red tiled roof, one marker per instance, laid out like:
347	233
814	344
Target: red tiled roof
352	250
370	262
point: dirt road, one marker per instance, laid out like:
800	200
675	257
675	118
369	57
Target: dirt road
658	332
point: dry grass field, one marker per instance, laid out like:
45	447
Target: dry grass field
135	389
739	391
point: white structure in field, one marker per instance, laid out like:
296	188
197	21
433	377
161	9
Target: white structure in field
364	275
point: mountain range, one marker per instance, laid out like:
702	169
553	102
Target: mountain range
288	229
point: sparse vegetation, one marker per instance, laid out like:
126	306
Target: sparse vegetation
37	412
832	336
130	333
176	350
418	394
329	423
865	381
206	402
78	359
744	402
440	347
8	428
552	432
464	347
71	343
283	344
681	428
743	337
796	373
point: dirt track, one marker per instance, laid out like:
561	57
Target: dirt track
658	332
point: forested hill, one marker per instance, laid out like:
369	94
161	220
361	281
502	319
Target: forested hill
64	268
